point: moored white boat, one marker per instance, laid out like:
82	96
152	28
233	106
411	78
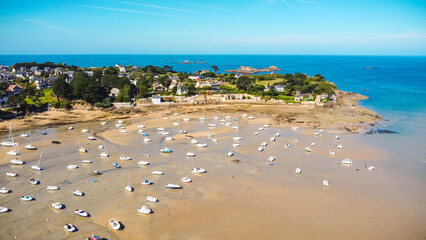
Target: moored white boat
287	146
165	133
151	199
91	138
34	182
230	154
271	159
339	146
143	163
186	119
260	149
186	179
52	188
308	149
11	174
26	198
235	145
82	150
176	124
157	173
237	138
103	123
84	130
201	145
24	135
325	183
166	150
331	152
123	131
69	228
3	209
183	131
114	224
81	213
337	138
250	117
198	170
12	152
125	158
17	162
173	186
141	126
116	165
161	129
256	133
128	188
298	171
169	138
30	147
371	168
273	139
77	193
313	144
194	141
212	125
277	135
214	140
264	144
190	154
72	166
4	190
144	210
146	182
86	161
346	161
147	140
57	205
294	128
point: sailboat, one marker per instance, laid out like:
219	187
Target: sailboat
151	199
17	161
14	151
30	146
81	149
69	228
37	167
114	224
104	154
128	187
9	143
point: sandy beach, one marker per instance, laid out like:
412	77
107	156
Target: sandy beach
249	200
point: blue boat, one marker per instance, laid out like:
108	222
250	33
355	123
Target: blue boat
116	165
166	150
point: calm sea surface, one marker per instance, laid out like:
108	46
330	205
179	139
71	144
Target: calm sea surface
396	89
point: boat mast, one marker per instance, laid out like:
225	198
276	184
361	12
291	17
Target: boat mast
38	164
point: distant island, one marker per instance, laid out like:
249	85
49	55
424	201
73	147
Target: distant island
250	70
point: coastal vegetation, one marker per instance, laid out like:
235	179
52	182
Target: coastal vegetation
100	87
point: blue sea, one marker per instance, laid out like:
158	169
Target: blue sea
396	87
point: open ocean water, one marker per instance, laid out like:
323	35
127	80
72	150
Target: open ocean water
396	88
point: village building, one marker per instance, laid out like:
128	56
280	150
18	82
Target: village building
279	88
120	67
14	89
114	92
156	99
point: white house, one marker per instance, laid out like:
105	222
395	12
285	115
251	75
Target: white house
122	68
156	99
89	73
279	88
114	92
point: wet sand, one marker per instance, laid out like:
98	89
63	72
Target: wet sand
250	200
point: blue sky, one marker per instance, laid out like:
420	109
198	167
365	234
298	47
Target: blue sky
335	27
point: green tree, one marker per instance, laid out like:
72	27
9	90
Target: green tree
61	88
244	81
93	92
215	69
124	94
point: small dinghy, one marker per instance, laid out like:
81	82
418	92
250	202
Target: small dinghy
82	150
194	141
103	154
114	224
169	138
261	129
260	149
141	131
212	125
371	168
30	147
144	210
235	145
26	198
287	146
230	154
316	133
244	115
34	182
183	131
123	131
146	182
331	152
186	119
69	228
120	121
52	188
273	139
294	128
147	140
321	131
271	159
250	117
125	158
209	135
17	162
165	133
190	154
43	133
157	173
256	133
237	138
277	135
4	190
186	179
96	172
143	163
3	209
337	138
70	128
128	188
201	119
298	171
84	130
325	183
91	138
56	142
152	199
201	145
116	165
161	129
228	124
77	193
12	152
198	170
264	144
313	144
57	205
118	125
346	161
93	237
228	117
11	174
339	146
86	161
25	135
173	186
72	166
307	149
214	140
81	213
141	126
166	150
176	124
103	123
